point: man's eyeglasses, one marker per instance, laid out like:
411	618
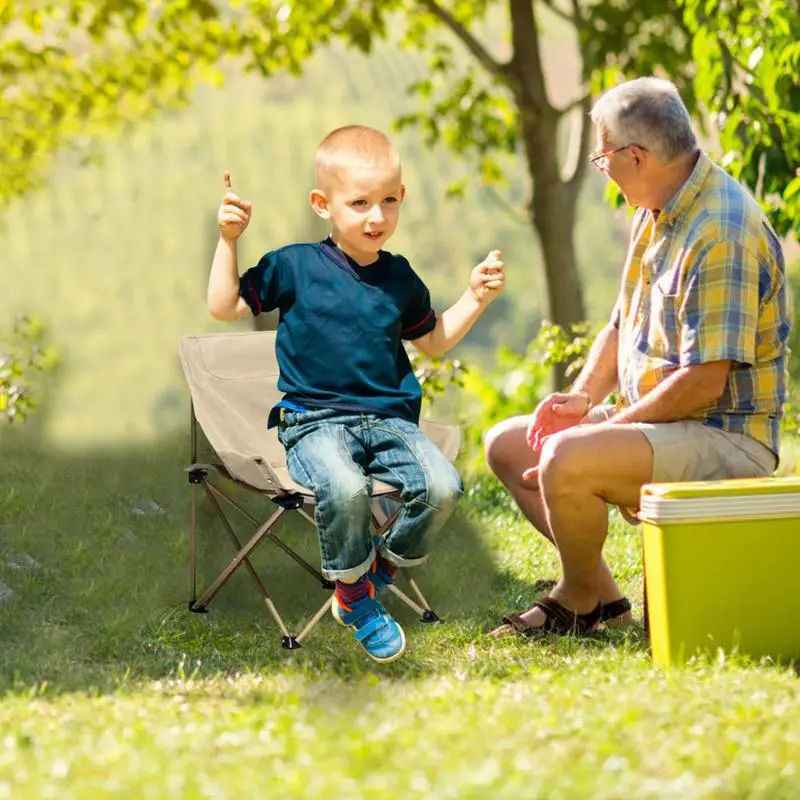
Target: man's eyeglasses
595	159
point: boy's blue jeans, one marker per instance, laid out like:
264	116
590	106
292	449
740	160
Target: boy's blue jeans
337	453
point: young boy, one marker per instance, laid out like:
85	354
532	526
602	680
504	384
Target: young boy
351	407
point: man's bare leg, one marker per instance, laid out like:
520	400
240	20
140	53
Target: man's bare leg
508	456
582	470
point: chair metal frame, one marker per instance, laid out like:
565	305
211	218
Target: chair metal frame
199	474
233	382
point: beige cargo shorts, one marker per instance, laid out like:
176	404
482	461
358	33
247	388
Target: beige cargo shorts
692	451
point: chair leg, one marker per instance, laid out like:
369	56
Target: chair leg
241	555
193	546
288	640
313	621
383	522
426	613
324	582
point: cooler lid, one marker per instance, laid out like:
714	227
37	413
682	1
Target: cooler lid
763	498
742	486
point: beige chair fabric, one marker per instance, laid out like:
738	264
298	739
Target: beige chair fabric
233	379
233	382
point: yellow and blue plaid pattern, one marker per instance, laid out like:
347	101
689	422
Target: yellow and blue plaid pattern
705	280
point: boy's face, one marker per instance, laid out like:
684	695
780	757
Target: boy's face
362	203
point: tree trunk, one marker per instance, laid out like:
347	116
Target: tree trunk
554	223
554	197
553	218
553	214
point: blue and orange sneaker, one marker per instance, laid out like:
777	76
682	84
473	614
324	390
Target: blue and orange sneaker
381	638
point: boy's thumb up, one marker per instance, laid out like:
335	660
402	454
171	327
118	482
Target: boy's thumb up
227	180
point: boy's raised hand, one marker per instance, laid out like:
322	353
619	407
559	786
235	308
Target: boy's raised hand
488	278
234	213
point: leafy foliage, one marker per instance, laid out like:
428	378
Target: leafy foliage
520	380
748	58
72	70
435	374
24	358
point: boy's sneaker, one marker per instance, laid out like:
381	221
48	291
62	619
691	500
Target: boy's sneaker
374	628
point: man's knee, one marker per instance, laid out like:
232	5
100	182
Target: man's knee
561	465
501	445
492	444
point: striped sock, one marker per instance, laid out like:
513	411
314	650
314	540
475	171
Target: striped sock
349	593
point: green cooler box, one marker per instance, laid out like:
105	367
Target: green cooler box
722	568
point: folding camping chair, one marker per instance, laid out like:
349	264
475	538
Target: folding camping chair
233	382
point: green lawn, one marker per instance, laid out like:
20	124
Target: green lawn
111	688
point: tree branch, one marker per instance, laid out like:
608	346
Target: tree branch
558	11
579	103
472	44
524	215
577	15
527	58
584	143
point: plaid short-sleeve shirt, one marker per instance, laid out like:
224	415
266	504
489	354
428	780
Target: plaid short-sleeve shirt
705	280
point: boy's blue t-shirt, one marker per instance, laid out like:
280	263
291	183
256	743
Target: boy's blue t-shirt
341	325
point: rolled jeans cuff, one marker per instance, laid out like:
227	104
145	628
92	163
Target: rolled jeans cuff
351	574
399	561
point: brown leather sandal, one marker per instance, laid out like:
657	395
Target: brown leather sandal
616	608
558	619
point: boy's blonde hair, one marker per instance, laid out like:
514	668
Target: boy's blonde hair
353	145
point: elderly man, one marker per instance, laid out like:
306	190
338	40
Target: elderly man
695	347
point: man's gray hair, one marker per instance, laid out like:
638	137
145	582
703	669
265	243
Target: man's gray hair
648	112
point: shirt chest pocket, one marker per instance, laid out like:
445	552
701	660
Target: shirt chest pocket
665	326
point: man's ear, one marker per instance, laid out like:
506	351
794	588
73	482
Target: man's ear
638	154
319	202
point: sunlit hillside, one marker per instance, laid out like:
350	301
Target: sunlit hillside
114	254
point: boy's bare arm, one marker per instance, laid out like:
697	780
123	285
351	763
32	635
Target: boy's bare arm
485	283
223	298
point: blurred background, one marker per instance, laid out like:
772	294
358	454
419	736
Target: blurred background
120	118
117	121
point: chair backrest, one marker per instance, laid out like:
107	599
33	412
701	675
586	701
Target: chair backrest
233	380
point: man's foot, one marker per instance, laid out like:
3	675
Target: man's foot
547	615
381	638
617	613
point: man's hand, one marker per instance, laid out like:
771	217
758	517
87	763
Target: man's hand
557	412
233	215
488	278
